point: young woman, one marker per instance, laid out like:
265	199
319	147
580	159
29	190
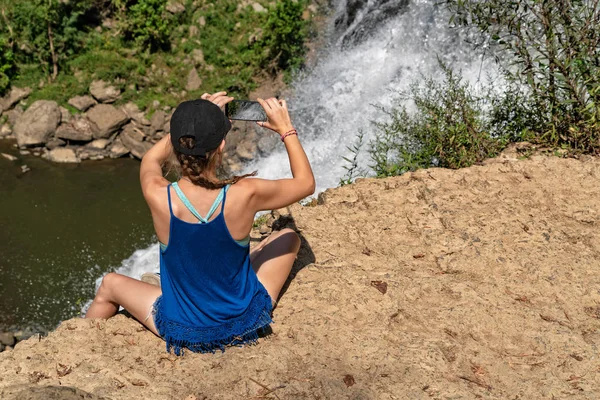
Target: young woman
214	292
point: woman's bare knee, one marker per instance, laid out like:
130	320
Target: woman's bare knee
291	238
109	281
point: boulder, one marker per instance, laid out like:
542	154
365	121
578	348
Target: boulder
258	8
267	144
118	149
175	7
193	80
13	97
9	157
79	129
106	120
14	114
197	56
193	31
5	130
54	143
157	121
65	115
8	338
63	155
136	147
103	92
98	144
37	123
135	114
82	103
246	150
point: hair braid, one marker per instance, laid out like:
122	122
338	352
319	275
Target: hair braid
194	167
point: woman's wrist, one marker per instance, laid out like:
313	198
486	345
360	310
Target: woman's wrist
285	130
291	132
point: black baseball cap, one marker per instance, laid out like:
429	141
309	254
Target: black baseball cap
202	120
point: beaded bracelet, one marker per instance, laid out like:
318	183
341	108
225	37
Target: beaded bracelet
289	133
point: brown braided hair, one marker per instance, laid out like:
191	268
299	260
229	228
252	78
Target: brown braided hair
193	167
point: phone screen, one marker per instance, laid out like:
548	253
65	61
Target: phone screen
245	110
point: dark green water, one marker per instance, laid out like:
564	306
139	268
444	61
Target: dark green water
61	227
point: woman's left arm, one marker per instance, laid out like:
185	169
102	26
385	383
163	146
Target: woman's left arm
151	174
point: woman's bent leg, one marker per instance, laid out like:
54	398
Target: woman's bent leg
119	290
273	259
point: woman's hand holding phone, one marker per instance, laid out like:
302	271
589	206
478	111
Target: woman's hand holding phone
278	115
219	98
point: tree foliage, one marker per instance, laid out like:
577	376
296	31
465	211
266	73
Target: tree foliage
553	48
145	22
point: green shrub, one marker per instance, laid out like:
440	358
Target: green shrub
448	128
551	47
145	22
7	64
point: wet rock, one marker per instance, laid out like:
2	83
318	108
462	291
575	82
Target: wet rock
54	143
63	155
106	120
37	123
132	110
98	144
82	103
24	169
267	144
131	141
103	92
79	129
193	80
9	157
13	97
246	150
175	7
118	149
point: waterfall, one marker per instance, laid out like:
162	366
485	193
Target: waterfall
375	49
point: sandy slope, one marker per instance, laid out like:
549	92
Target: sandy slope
493	292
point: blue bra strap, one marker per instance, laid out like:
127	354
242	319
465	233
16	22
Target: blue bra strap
169	197
187	203
224	191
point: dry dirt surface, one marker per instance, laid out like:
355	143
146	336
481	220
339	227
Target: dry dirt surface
476	283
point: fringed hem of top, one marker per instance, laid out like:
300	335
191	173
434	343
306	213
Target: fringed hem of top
243	330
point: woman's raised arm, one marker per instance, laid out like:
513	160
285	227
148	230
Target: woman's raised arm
151	169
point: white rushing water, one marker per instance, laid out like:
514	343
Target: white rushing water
338	98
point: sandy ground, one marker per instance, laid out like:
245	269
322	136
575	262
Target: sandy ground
476	283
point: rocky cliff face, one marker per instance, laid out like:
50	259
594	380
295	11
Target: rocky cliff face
476	283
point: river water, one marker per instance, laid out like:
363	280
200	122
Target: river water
62	227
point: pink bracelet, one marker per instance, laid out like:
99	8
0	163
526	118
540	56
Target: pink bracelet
289	133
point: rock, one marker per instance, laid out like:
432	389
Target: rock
82	103
118	149
256	36
136	147
54	143
258	8
9	157
63	155
197	56
155	104
24	152
167	127
37	123
202	20
267	144
13	97
106	120
193	80
134	132
103	92
246	150
79	129
98	144
25	168
175	7
157	121
193	31
5	130
135	114
65	115
14	114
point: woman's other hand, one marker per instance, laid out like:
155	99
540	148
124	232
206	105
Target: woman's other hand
219	98
277	114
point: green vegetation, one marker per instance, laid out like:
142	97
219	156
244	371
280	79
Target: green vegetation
548	51
145	50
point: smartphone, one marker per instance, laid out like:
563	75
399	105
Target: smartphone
245	110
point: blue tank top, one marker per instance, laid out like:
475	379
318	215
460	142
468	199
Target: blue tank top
211	297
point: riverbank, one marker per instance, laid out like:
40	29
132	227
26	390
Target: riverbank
478	282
